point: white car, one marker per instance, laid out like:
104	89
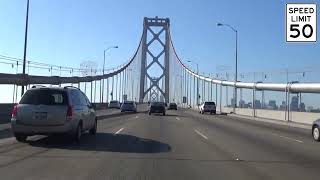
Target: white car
128	106
207	106
114	104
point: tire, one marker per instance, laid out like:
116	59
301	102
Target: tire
93	130
21	137
78	133
202	112
149	113
164	113
211	112
316	133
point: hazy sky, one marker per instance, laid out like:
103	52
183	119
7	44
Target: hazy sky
67	32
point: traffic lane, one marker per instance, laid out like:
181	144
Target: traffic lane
278	137
293	133
275	156
38	153
190	157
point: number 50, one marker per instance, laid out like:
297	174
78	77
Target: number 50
295	27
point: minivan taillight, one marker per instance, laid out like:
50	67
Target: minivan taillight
69	113
14	111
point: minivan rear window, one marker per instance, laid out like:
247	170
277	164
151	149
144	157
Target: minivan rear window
209	103
44	97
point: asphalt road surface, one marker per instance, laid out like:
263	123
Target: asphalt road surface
181	145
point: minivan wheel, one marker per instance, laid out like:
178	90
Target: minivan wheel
316	133
78	133
93	130
21	137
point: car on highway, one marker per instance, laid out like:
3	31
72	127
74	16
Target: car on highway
53	110
316	130
114	104
172	106
129	106
207	106
157	107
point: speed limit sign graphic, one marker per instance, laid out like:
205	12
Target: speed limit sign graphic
301	23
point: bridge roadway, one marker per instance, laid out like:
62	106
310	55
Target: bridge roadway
181	145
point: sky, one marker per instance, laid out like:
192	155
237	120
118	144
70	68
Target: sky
69	32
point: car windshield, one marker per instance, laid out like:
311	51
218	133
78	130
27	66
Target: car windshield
159	89
44	97
157	104
209	103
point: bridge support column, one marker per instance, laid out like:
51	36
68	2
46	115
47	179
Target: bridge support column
145	65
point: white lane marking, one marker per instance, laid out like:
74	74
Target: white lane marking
119	131
285	137
177	118
202	135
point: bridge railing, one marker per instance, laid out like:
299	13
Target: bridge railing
287	95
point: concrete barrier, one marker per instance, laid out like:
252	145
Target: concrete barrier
298	117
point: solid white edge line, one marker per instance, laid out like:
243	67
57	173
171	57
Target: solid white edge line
118	131
285	137
202	135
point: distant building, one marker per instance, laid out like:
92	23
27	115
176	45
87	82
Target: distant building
257	104
273	105
242	103
309	108
302	107
248	105
294	104
283	106
232	102
315	110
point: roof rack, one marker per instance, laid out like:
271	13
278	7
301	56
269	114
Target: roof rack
37	86
65	87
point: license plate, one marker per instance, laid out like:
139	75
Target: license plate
40	116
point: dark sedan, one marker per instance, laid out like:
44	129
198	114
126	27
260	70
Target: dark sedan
157	107
173	106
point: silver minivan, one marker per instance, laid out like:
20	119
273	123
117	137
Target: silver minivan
53	110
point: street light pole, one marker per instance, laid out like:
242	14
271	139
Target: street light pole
25	46
236	75
104	63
